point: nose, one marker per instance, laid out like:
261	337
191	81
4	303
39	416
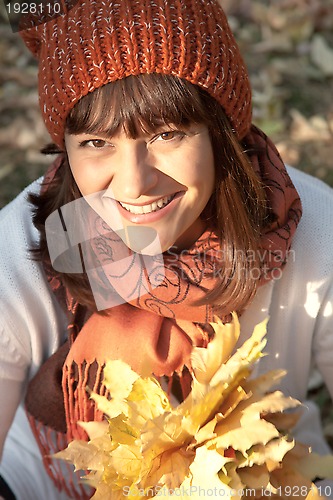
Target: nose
135	173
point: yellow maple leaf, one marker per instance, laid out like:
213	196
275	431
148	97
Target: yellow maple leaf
146	401
118	379
270	454
204	478
206	362
169	469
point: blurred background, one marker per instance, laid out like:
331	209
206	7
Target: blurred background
288	47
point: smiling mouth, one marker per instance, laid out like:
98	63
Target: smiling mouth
147	209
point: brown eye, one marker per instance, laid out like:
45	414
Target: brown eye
98	143
167	136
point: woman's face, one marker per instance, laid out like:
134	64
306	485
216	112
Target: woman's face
162	181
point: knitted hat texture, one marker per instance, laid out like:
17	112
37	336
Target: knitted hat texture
100	41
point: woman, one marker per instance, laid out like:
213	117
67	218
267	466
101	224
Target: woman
164	207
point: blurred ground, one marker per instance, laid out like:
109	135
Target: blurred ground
288	46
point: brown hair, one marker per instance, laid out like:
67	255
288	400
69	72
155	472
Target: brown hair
237	209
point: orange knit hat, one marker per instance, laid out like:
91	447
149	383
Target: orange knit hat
100	41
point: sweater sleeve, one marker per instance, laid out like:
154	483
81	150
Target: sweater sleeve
32	323
323	340
14	363
313	276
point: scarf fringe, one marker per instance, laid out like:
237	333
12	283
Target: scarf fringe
77	402
60	472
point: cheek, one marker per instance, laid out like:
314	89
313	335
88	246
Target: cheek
208	171
204	164
204	173
74	163
196	168
85	176
79	178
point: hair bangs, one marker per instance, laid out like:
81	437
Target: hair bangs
138	104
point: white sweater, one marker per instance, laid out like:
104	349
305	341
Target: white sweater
32	326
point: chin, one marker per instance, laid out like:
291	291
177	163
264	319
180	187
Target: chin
142	240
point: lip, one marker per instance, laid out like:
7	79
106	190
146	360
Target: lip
150	202
152	216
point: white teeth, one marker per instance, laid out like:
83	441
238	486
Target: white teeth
147	209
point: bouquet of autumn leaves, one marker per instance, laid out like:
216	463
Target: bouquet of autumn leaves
229	437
